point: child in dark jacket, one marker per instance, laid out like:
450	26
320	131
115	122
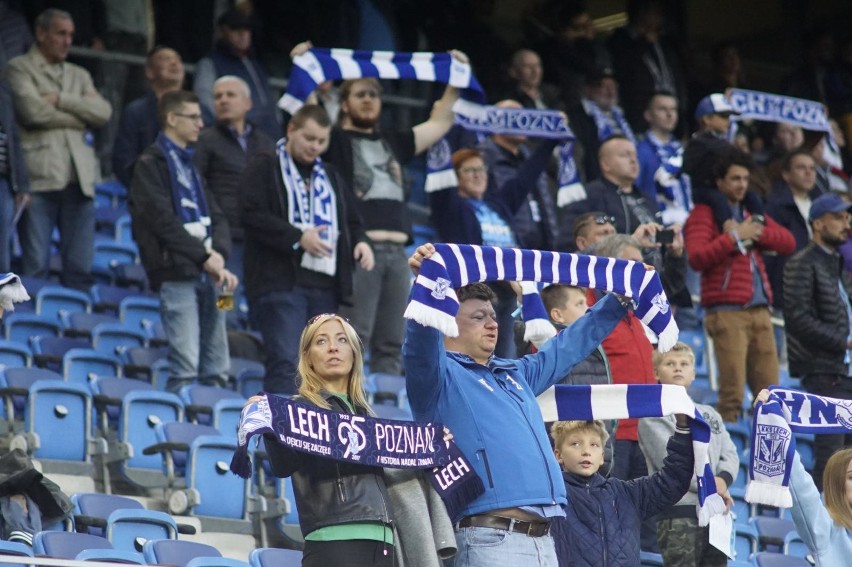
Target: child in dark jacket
603	515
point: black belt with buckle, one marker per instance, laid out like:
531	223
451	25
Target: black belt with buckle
532	529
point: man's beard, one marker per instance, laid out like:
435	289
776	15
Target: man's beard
363	123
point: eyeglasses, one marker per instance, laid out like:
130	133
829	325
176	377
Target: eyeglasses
472	170
604	219
193	117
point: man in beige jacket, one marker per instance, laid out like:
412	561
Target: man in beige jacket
56	104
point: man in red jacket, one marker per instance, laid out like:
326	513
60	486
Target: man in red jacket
735	290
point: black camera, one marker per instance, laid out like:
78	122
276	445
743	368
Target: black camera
665	236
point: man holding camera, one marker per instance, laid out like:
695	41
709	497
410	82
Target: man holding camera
735	290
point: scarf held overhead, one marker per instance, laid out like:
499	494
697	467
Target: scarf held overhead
360	439
773	444
622	401
434	302
318	65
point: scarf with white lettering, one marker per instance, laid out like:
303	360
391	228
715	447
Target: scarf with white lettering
674	190
12	291
188	198
363	440
533	123
621	401
310	209
318	65
434	302
773	445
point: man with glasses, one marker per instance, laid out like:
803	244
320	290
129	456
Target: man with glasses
183	241
56	105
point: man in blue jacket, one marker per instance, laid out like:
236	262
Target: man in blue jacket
489	404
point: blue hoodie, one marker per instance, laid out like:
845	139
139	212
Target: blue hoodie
492	410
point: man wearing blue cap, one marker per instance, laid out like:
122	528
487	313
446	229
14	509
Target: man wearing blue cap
818	317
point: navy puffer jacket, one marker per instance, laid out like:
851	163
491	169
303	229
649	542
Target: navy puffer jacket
601	528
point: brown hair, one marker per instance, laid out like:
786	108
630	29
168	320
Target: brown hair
173	101
679	348
476	291
462	155
556	295
345	90
311	384
834	488
561	430
310	112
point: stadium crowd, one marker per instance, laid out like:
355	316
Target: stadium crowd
307	218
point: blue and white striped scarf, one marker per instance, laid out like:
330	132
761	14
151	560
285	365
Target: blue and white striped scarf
674	189
11	291
605	125
622	401
318	65
434	302
310	209
188	199
773	444
533	123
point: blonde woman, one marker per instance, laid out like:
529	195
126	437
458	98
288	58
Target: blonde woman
825	527
344	509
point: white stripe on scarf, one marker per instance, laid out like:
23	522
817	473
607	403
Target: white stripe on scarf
434	303
623	401
12	291
307	210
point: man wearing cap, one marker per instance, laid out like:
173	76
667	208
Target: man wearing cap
818	316
713	115
232	55
735	290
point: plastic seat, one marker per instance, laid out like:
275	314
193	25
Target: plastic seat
138	360
216	562
795	546
387	411
15	548
51	300
745	541
111	193
67	545
249	381
108	395
387	387
58	415
19	327
93	508
81	324
48	352
648	559
200	402
239	365
130	529
771	532
106	298
768	559
111	556
82	366
131	275
116	339
16	384
176	552
134	310
123	231
15	354
275	557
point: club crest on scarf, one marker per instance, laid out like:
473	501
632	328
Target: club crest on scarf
441	287
352	436
661	303
772	444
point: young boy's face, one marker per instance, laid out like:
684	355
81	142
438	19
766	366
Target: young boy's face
676	368
581	452
573	309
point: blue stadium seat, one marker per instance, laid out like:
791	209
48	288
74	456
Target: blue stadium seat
134	310
19	327
387	388
200	403
138	360
123	232
130	529
16	382
111	556
769	559
48	352
51	300
15	354
745	541
106	298
59	414
109	255
89	507
771	532
176	552
388	411
66	545
15	548
83	365
108	395
249	381
275	557
795	547
111	193
741	436
648	559
116	339
81	324
216	562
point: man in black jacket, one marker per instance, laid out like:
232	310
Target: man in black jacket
303	237
183	240
817	316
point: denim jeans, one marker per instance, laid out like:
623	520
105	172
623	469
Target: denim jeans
280	317
481	547
195	328
379	300
7	214
74	214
